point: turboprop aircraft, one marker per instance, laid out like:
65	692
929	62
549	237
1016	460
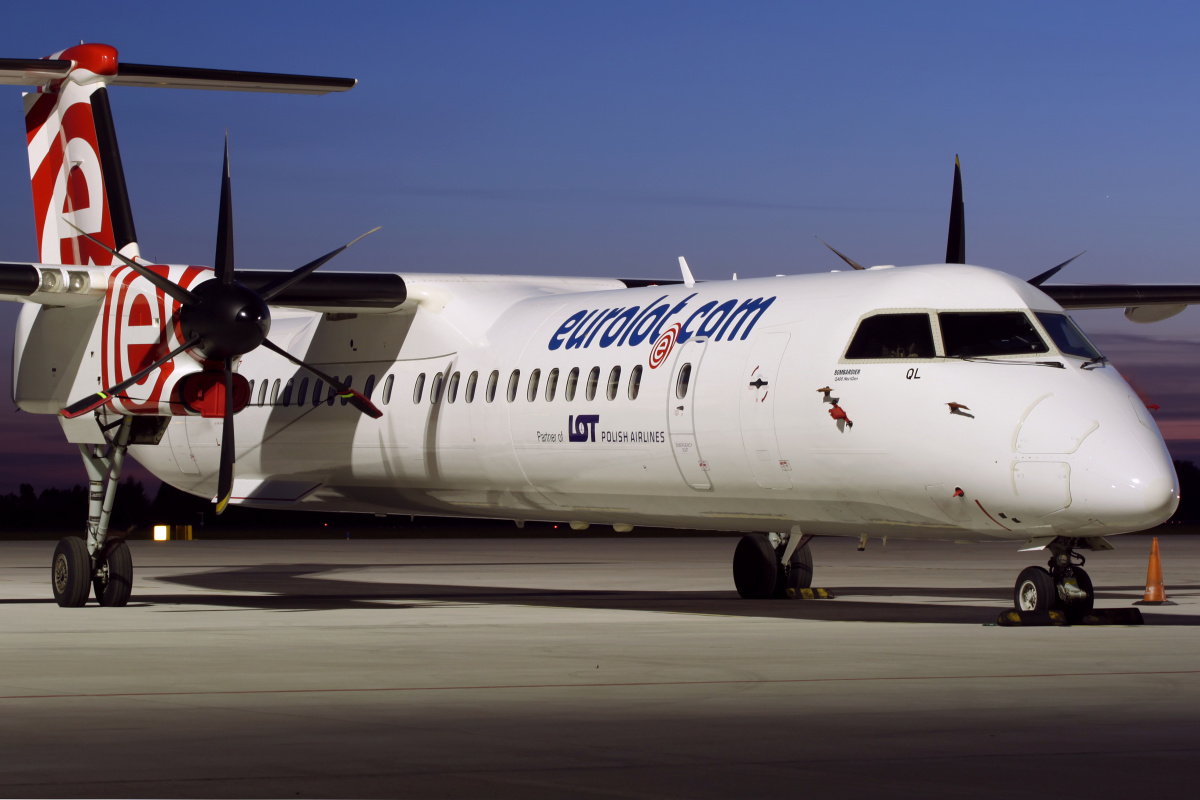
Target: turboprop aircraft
942	401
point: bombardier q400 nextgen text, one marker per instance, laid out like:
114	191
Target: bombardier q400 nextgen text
943	401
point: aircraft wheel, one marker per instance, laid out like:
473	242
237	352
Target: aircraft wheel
1079	606
1035	590
798	574
113	581
755	567
71	572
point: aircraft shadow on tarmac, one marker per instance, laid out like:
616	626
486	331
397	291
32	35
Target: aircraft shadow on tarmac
302	588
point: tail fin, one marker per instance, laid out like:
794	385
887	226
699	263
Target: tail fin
74	163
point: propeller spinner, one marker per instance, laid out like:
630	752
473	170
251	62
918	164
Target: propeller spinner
223	320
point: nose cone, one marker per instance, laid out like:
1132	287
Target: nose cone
1124	479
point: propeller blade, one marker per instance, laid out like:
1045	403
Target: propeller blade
854	264
94	401
356	399
1048	274
225	475
169	287
956	241
284	283
223	261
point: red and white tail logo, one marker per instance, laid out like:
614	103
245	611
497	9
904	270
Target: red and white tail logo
74	164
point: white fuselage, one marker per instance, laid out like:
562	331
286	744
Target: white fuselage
751	445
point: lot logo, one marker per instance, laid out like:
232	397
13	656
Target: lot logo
582	428
662	348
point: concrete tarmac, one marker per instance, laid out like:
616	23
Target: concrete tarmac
590	668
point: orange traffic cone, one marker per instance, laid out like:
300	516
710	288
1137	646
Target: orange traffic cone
1155	595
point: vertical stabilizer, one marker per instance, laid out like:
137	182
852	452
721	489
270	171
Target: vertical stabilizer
74	163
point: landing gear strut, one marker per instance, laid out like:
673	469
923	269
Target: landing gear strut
769	565
1065	586
100	564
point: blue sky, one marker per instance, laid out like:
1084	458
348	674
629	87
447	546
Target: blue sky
608	138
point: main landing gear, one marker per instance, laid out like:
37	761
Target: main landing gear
101	564
1065	586
772	565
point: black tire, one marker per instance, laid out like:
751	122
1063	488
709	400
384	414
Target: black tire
797	575
71	573
754	567
114	588
1083	607
1035	590
800	570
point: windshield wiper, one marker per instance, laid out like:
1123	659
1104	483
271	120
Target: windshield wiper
986	360
1092	363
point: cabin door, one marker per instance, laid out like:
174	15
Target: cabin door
681	403
759	391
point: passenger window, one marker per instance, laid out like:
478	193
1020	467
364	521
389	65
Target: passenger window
551	384
635	382
348	383
317	391
614	382
572	383
369	386
681	383
418	388
387	389
452	389
333	392
989	333
493	379
1067	336
531	389
893	336
592	381
469	392
286	397
262	394
513	381
435	388
250	390
275	392
302	395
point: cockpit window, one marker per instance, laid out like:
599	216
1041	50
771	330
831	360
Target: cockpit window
893	336
989	333
1066	335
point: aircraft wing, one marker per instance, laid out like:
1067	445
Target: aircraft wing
1116	295
58	285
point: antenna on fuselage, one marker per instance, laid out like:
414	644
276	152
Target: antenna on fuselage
688	280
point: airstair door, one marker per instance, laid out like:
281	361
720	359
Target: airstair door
759	392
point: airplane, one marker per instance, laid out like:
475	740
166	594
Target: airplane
940	401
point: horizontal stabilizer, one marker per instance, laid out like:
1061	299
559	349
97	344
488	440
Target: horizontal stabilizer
37	72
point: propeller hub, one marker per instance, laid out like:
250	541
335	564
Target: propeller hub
230	319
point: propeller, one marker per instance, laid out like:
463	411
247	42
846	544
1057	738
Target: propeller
956	240
222	320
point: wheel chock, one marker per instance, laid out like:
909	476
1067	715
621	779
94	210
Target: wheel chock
1111	616
1013	618
1101	616
810	594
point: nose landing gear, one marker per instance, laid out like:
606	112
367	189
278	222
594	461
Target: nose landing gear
1065	586
100	564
